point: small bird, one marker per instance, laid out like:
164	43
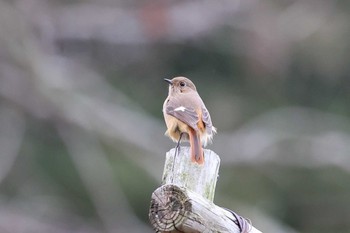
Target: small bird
186	117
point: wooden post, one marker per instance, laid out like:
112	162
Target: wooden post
181	171
184	202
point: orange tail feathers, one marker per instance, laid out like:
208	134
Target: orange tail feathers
196	147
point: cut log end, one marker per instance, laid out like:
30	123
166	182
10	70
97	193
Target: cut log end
168	208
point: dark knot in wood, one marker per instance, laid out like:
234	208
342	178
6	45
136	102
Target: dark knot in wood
169	205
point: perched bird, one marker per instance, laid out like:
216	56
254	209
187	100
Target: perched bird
186	117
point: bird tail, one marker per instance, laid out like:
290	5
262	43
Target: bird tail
196	147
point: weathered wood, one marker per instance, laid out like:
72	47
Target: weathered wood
180	210
184	203
201	179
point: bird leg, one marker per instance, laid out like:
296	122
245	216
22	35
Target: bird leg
177	148
177	151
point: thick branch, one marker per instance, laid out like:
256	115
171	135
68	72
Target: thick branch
175	209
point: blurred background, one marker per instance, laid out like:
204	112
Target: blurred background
82	141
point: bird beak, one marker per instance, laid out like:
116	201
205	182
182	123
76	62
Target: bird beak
168	81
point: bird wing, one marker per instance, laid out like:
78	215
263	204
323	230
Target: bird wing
185	114
207	120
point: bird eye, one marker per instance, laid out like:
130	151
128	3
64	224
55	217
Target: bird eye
182	84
